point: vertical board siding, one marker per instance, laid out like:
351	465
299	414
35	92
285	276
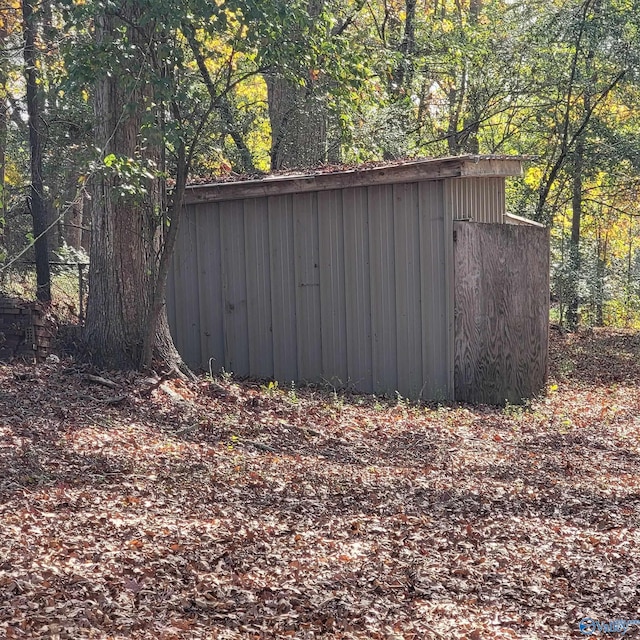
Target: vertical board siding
283	288
307	281
171	294
408	290
478	199
356	287
448	305
502	310
258	287
234	288
333	313
357	284
384	353
186	295
209	255
434	273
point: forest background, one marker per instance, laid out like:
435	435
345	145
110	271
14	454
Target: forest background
248	87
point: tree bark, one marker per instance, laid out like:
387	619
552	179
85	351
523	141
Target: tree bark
126	315
403	74
600	273
299	117
36	201
4	124
574	242
298	124
72	234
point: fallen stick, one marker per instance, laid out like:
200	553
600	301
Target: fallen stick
100	380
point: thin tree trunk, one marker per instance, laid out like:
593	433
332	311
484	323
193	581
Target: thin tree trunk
37	201
627	302
574	242
403	74
71	225
4	124
600	269
221	102
452	127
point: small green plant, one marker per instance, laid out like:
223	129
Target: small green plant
565	425
271	388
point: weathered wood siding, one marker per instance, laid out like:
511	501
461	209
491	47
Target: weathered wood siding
348	286
501	312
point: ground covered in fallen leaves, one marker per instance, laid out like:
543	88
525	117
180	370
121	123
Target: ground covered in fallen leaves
226	509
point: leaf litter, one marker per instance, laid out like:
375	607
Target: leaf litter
230	509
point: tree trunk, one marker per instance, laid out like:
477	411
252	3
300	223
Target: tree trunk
403	74
299	116
600	271
36	201
4	124
298	124
452	126
126	316
71	224
574	243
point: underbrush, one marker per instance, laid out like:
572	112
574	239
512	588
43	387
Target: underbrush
65	290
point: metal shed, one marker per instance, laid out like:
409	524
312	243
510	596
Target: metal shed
352	278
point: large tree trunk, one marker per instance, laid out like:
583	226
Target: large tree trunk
298	124
126	317
299	117
36	200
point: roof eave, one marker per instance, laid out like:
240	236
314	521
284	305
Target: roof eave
415	171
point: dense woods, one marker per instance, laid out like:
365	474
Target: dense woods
107	109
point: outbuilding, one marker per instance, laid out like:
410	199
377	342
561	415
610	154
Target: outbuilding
403	278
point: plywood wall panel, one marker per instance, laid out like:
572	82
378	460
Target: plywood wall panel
502	312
